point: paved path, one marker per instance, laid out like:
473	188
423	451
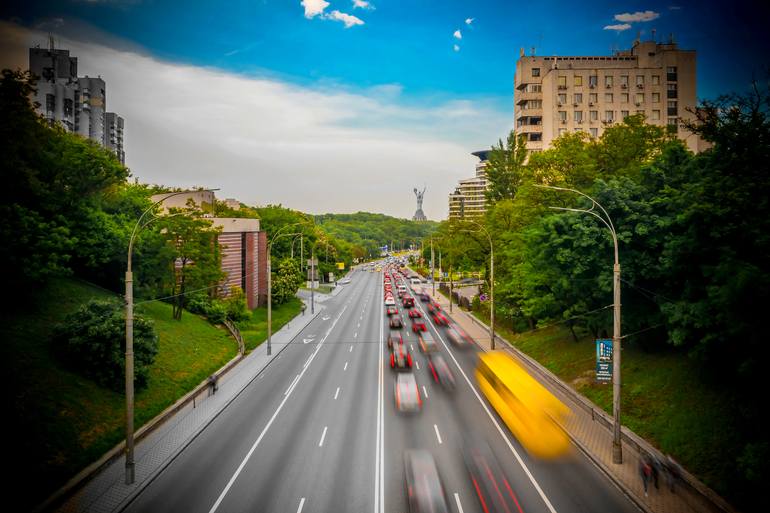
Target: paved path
591	436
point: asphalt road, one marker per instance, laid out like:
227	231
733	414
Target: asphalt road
318	431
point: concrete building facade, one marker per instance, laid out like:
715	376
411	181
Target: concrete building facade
79	104
556	95
469	197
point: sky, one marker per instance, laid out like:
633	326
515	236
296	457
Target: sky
347	105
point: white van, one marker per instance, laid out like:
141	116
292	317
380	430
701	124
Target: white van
415	281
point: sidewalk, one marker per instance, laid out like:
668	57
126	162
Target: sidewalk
107	491
590	428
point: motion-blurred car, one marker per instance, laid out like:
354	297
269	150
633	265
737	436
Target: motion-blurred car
394	339
414	314
418	325
392	310
492	488
434	307
423	484
407	395
395	322
389	301
407	302
427	343
441	372
456	336
400	358
440	319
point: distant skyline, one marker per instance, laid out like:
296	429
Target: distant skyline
344	106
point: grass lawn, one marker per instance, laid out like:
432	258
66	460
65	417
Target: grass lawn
663	399
323	289
254	330
63	421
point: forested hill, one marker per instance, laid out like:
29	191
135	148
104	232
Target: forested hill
373	231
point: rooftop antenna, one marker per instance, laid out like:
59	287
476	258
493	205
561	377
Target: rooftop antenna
653	34
50	42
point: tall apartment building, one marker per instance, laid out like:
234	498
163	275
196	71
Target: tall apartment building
79	104
556	95
469	197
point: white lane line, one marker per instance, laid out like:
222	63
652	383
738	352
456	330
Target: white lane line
267	426
459	506
412	347
336	393
417	364
355	335
308	361
424	391
351	349
359	325
321	443
346	366
291	387
301	503
437	433
496	424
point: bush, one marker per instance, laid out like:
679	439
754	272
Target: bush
216	311
236	306
92	341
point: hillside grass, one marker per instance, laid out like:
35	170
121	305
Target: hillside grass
663	399
63	421
254	329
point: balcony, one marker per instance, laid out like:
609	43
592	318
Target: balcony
524	96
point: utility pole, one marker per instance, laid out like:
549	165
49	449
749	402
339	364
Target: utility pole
312	280
432	267
451	287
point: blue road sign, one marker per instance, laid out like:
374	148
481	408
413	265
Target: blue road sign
603	360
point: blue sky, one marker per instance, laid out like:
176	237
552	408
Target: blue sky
326	106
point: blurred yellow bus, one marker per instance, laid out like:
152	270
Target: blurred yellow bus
527	408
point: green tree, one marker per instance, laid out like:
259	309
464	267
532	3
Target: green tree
506	168
286	281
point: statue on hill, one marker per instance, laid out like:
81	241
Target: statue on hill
419	215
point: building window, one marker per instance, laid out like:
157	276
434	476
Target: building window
594	132
562	98
608	81
67	107
623	97
562	82
593	115
535	72
671	73
609	116
639	98
640	111
656	80
623	114
578	97
534	88
671	92
655	97
656	115
563	116
593	81
639	80
672	108
50	103
624	81
578	116
608	97
593	97
535	137
578	80
534	104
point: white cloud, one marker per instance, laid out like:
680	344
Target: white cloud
458	34
624	26
347	19
264	140
468	21
637	16
456	48
362	4
314	7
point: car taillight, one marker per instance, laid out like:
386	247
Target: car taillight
392	360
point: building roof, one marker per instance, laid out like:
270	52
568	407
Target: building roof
482	154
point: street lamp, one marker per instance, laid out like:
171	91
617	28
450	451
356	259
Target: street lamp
491	282
617	448
130	335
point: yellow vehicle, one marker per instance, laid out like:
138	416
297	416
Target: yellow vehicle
529	410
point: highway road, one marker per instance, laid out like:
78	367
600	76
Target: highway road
318	431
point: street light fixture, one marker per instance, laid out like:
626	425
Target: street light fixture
129	363
491	282
617	448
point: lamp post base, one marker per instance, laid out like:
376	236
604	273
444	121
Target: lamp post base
617	452
129	472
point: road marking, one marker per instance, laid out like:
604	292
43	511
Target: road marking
308	361
412	346
359	325
356	335
379	466
346	366
437	433
267	426
459	506
417	364
301	503
336	393
497	425
321	443
425	391
293	384
351	349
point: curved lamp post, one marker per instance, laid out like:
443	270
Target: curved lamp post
617	448
130	335
491	282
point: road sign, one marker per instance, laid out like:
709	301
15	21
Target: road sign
603	360
340	265
483	297
312	261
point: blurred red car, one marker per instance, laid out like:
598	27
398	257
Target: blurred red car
414	314
418	325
